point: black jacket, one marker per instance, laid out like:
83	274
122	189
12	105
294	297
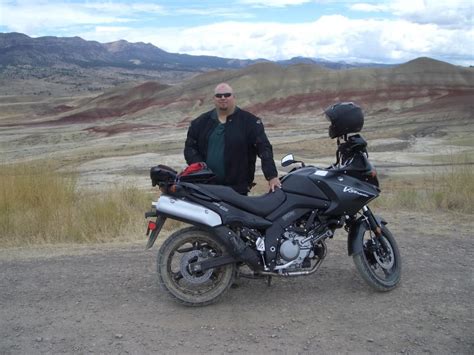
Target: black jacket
245	138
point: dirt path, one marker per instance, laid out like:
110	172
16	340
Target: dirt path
105	299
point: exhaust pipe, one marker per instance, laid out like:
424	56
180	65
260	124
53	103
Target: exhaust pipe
297	273
187	211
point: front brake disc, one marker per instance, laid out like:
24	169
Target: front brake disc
387	260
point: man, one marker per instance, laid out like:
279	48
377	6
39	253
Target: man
228	139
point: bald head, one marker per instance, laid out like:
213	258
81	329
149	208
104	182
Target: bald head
224	100
223	88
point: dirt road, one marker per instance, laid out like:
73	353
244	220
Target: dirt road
105	299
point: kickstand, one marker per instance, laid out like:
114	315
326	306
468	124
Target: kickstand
269	281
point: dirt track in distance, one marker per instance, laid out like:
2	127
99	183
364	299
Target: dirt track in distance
105	299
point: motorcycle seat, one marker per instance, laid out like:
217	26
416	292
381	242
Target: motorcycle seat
259	205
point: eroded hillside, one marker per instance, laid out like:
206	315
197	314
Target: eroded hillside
421	110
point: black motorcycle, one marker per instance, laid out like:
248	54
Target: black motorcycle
281	233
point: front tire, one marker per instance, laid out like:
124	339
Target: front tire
379	262
193	289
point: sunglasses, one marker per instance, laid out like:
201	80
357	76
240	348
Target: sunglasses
220	96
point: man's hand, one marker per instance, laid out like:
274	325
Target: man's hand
274	183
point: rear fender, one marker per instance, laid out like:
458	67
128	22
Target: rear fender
356	234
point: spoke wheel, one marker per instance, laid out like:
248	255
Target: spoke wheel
193	288
379	263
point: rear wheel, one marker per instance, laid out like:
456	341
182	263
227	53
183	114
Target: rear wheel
193	289
379	263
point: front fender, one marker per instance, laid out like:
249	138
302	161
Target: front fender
356	234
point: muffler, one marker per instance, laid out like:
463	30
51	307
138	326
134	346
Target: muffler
188	211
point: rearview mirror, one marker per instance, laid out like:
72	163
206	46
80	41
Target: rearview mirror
287	160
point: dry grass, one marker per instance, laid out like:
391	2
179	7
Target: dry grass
450	190
39	205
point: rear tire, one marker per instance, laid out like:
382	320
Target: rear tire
379	265
183	247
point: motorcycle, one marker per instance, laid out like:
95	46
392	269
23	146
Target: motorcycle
278	234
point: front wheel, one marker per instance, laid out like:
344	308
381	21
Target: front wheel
379	262
186	246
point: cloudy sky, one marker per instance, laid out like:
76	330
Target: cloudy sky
387	31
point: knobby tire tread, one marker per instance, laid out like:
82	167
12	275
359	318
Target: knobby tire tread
162	267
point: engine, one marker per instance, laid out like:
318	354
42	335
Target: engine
295	249
297	252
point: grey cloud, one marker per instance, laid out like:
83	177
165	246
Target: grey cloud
450	14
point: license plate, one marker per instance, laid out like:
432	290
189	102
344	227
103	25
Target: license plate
154	228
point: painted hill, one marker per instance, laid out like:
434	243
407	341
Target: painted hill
277	92
415	112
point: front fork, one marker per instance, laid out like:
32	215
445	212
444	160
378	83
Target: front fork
374	225
357	228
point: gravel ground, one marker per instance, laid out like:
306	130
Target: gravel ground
105	299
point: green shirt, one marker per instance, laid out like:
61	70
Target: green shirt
215	152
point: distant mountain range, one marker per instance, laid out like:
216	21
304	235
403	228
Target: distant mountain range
18	49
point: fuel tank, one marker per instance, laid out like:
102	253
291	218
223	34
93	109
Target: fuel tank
346	194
